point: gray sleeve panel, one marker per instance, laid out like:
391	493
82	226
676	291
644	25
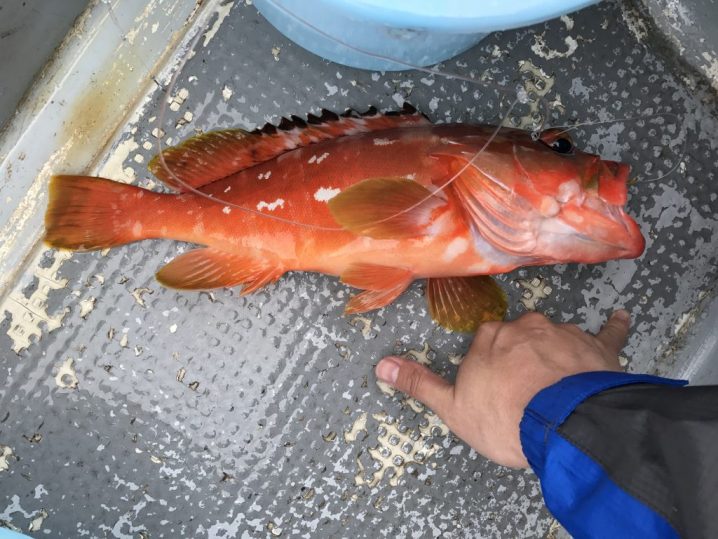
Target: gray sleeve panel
660	444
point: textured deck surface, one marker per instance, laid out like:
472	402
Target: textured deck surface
153	413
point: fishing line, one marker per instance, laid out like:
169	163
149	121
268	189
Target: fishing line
522	96
520	93
123	34
683	130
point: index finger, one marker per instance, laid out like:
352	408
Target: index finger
614	333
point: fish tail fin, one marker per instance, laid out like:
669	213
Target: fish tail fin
86	213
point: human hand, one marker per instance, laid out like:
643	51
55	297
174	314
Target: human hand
507	364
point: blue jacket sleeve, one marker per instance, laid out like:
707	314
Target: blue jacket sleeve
585	484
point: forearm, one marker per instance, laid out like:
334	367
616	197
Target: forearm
626	455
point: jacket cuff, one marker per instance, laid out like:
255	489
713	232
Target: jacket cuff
551	406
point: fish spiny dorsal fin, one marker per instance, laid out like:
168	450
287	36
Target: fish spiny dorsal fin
214	155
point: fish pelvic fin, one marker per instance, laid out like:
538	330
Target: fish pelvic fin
381	285
85	213
383	208
212	156
208	268
463	303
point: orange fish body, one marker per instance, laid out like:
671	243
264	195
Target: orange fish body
361	197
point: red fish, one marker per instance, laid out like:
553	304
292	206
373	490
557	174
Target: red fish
357	196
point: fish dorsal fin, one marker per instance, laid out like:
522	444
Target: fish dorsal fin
214	155
380	208
463	303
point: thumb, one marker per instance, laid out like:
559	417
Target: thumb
614	334
417	381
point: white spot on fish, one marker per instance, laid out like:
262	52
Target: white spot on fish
226	93
445	140
454	249
271	206
264	176
325	194
549	207
411	176
226	209
316	160
383	142
228	189
434	104
137	229
567	190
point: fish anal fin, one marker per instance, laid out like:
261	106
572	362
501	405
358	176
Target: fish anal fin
212	156
386	208
463	303
381	285
209	268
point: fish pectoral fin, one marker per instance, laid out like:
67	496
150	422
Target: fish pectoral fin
207	268
502	217
463	303
386	208
381	285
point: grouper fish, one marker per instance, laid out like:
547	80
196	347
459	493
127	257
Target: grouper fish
363	197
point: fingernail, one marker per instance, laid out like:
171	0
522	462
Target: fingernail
387	370
622	314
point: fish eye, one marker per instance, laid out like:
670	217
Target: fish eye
562	145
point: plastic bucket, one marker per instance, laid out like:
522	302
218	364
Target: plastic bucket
418	32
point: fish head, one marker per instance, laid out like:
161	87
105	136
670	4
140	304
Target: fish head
549	202
581	198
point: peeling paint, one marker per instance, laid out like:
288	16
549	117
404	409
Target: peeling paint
222	11
27	314
86	306
66	376
541	49
139	295
534	290
358	426
5	454
37	521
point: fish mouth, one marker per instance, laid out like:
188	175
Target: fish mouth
605	232
632	243
605	222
